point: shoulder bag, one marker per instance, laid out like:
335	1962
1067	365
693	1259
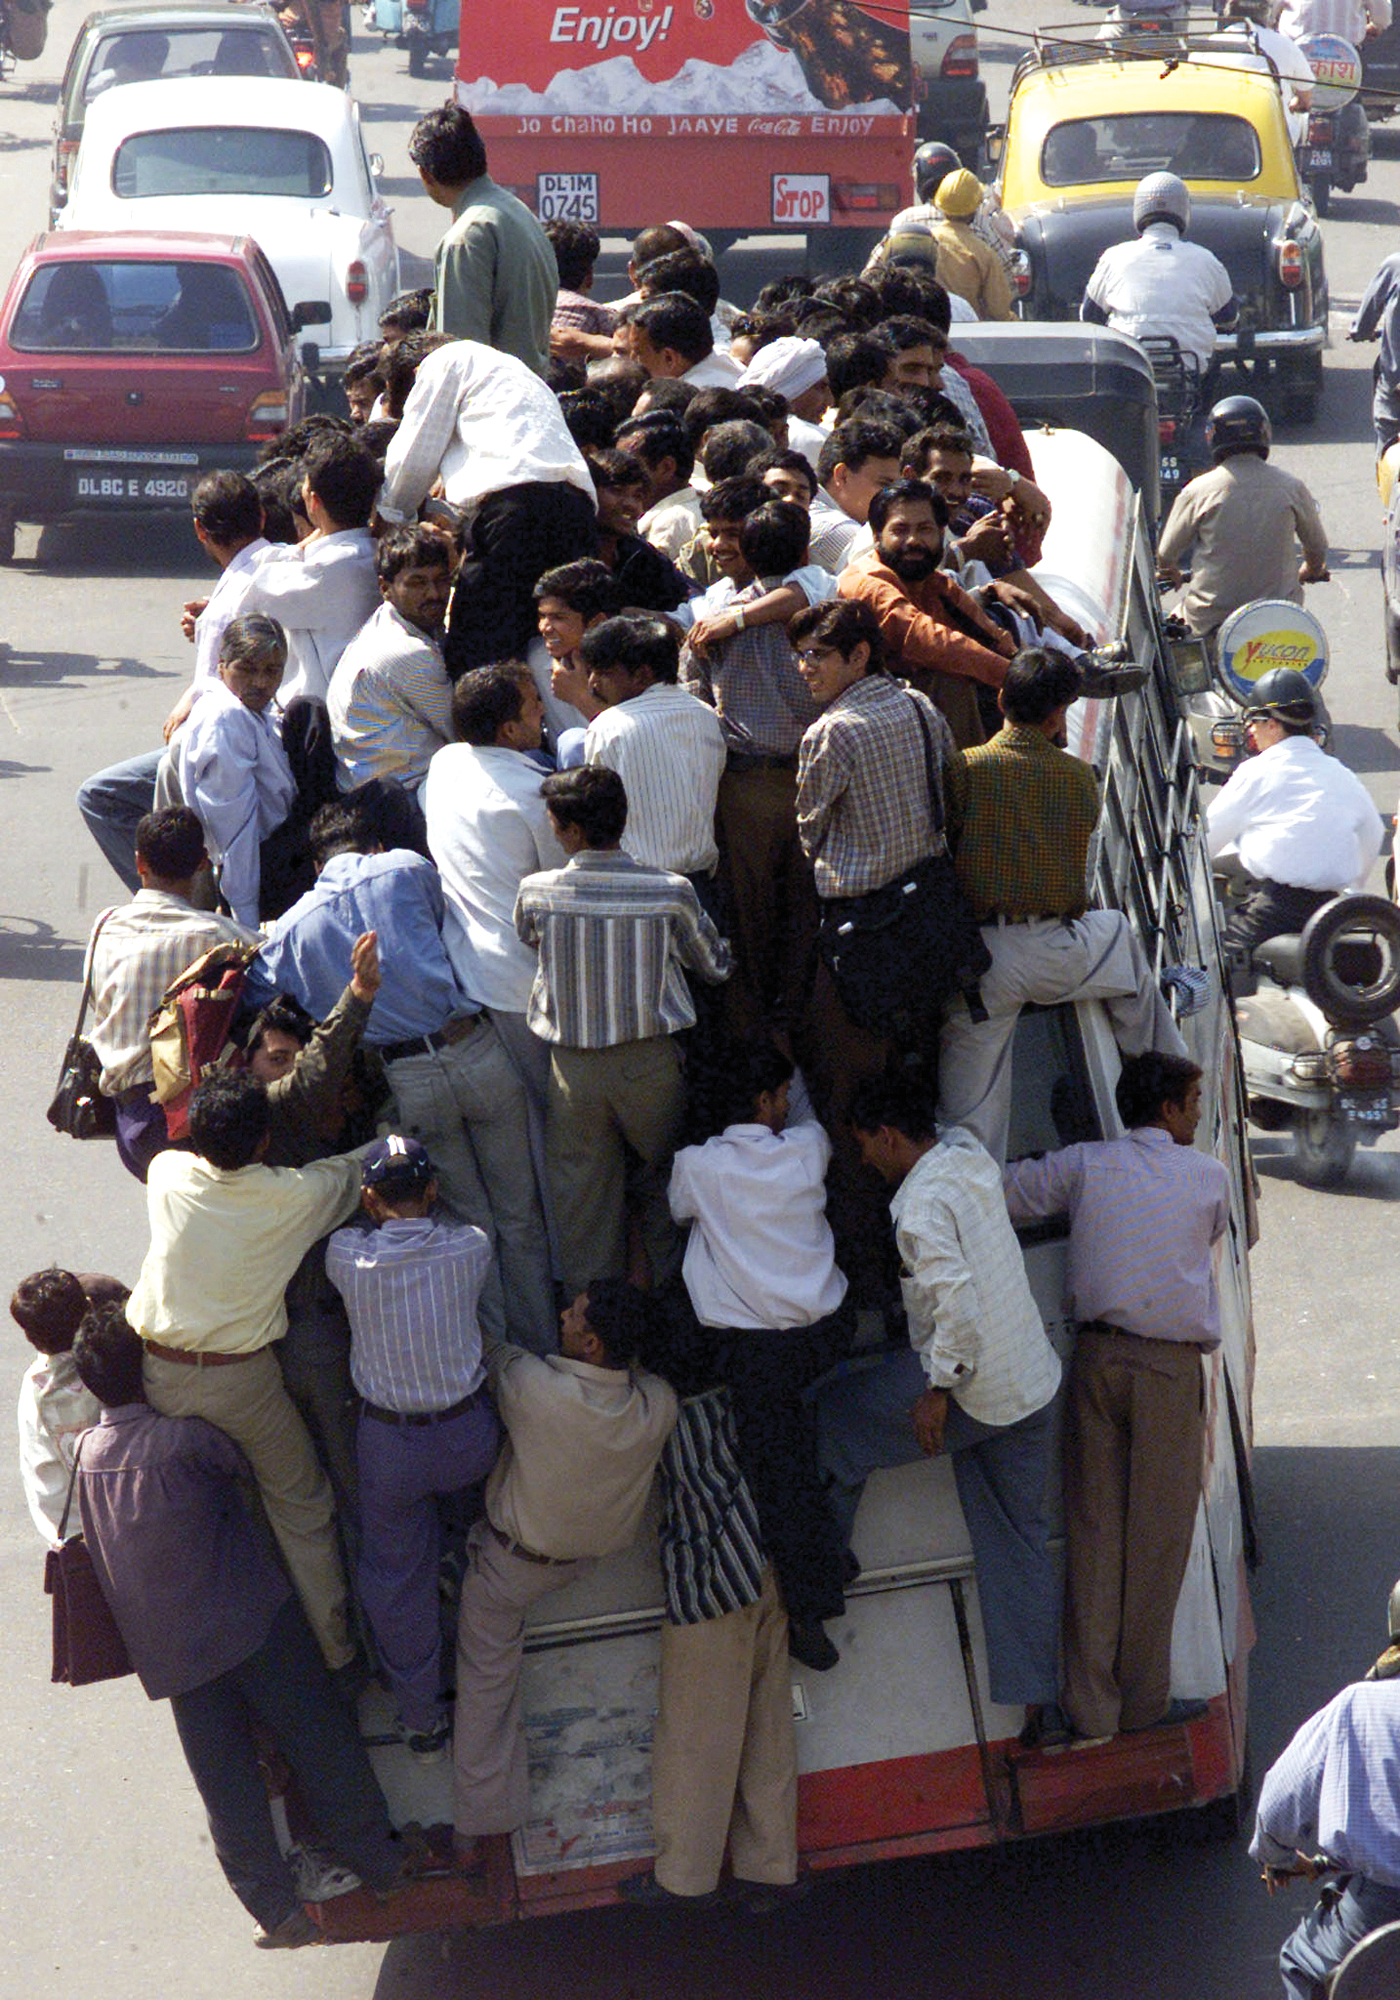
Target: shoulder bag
900	952
87	1646
78	1106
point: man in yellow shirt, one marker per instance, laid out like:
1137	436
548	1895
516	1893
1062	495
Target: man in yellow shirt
966	264
227	1234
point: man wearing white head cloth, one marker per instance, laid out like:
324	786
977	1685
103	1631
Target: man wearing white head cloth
796	369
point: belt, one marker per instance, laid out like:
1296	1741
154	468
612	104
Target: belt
526	1555
413	1419
194	1358
748	760
426	1045
1126	1333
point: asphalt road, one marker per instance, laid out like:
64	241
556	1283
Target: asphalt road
110	1884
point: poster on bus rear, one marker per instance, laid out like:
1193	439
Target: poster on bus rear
814	65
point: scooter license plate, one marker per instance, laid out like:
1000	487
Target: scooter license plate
1365	1109
1169	468
1319	156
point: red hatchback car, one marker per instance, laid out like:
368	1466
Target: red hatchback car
131	365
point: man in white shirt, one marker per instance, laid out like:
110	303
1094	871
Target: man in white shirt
488	828
54	1407
978	1381
671	336
672	518
1160	284
390	700
488	427
666	746
1264	48
1354	20
1298	822
322	590
761	1275
795	369
227	517
858	458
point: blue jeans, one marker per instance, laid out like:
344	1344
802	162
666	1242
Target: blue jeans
114	803
285	1687
1312	1953
864	1423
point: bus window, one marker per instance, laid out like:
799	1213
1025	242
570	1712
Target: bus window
1052	1103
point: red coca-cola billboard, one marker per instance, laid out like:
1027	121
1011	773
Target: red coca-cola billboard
741	113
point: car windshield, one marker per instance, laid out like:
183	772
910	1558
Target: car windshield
145	54
1201	146
121	307
222	159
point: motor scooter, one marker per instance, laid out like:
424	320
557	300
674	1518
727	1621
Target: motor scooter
1336	148
1181	448
424	27
24	29
1319	1047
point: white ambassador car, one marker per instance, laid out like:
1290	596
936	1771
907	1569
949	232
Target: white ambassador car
267	157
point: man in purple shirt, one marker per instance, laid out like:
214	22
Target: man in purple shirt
1144	1213
212	1624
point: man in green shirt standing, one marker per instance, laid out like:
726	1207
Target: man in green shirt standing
497	280
1025	812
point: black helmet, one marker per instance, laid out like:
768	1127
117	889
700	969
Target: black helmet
1238	423
1282	694
932	162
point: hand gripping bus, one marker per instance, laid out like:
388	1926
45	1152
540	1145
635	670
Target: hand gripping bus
901	1750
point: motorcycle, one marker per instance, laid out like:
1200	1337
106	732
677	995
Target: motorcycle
1314	1012
424	27
1336	149
1181	450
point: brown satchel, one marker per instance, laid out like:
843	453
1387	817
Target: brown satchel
87	1645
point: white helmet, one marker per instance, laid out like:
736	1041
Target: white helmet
1162	198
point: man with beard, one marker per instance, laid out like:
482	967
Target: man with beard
934	632
390	700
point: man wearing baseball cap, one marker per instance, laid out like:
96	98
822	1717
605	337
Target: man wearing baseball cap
411	1282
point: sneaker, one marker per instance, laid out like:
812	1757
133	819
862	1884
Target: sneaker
1047	1728
1102	678
429	1746
293	1932
810	1645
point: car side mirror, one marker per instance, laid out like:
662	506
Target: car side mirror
995	143
376	160
311	312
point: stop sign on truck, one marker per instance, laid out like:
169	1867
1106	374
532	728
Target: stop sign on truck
801	200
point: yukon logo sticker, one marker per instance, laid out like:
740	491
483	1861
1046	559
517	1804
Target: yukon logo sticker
802	199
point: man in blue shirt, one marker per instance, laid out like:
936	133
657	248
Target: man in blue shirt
1334	1797
454	1086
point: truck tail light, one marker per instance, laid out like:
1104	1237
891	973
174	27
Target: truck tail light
357	283
66	153
960	58
11	422
864	195
1290	265
267	416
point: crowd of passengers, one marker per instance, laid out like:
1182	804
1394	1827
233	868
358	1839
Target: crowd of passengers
548	722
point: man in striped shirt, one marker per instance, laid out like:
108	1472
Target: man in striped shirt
390	700
615	940
427	1426
1144	1214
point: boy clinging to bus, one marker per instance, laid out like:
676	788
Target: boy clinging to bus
411	1282
760	1270
54	1407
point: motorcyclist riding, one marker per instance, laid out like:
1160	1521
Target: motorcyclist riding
932	163
1296	820
1243	522
1277	53
1160	284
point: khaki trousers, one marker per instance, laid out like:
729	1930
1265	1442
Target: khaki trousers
1134	1436
491	1768
773	897
723	1759
614	1115
249	1401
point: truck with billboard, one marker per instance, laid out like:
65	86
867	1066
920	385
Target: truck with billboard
740	115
